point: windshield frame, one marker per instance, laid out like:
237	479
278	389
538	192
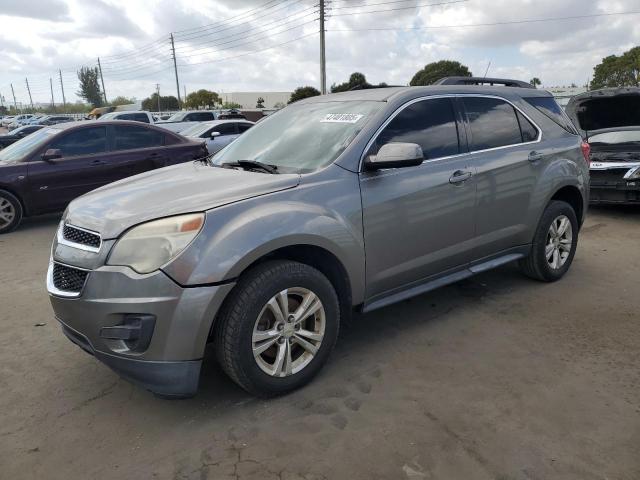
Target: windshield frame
328	126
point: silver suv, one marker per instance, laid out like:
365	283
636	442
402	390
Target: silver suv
338	203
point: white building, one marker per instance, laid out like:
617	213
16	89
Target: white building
250	99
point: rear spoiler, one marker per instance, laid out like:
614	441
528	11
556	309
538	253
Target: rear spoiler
504	82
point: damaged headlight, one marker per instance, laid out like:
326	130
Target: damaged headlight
149	246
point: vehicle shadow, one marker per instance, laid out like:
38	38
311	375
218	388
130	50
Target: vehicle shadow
39	222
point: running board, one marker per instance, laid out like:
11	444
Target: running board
440	282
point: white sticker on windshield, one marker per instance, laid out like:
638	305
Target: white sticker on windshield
341	118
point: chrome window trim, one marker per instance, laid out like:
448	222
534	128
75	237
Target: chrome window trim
51	288
79	246
456	95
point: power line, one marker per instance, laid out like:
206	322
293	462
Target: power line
363	5
490	24
451	2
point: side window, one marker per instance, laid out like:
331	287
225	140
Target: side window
199	117
529	131
86	141
140	117
429	123
128	137
225	129
551	109
243	127
493	123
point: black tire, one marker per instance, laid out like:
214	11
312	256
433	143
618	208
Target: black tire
536	265
16	208
235	323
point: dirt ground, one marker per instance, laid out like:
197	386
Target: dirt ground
498	377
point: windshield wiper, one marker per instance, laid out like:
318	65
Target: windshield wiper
252	165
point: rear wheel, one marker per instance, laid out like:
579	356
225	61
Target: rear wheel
554	243
10	212
277	328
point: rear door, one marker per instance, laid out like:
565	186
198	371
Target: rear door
135	149
419	221
506	153
82	168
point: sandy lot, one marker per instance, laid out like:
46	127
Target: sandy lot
498	378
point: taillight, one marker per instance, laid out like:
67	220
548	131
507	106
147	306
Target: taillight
586	152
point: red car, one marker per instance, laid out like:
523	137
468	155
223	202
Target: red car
43	172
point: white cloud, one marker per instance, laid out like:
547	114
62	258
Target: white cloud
64	34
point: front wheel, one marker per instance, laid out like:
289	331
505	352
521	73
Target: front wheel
554	244
277	328
10	212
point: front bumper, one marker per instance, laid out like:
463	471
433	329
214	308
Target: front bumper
169	361
609	185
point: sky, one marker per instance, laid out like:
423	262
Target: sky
261	45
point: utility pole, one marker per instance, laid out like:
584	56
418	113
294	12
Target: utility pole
323	64
29	90
64	101
15	104
53	102
158	93
175	68
104	92
185	92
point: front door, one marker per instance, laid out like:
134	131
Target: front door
419	221
228	133
82	167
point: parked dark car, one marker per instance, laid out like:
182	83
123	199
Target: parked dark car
610	120
17	134
43	172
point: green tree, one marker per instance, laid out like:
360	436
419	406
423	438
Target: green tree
230	105
618	71
202	98
437	70
89	86
356	81
122	101
166	103
279	105
260	103
535	81
303	92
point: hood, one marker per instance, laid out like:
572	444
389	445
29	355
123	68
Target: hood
184	188
605	109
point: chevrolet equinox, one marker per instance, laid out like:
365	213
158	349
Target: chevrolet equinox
335	203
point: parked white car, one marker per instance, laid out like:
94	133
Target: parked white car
180	121
136	116
17	121
7	120
219	133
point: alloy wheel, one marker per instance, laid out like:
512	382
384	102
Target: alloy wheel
559	242
288	332
7	212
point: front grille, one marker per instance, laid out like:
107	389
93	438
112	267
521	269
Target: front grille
75	235
68	279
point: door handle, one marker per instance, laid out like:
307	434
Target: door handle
98	162
460	176
535	156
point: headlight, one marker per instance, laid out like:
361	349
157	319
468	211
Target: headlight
149	246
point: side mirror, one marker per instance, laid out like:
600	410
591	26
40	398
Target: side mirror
215	134
396	155
51	154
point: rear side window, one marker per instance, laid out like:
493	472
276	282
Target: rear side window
429	123
243	127
136	117
199	117
225	129
130	137
493	123
529	131
549	107
86	141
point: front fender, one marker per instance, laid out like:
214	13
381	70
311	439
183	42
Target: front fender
237	235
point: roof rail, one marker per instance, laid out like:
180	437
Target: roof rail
505	82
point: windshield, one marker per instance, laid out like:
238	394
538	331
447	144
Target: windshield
176	117
301	138
22	148
624	136
195	130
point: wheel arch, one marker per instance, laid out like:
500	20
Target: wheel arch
571	195
4	188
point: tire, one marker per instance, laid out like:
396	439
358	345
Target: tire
549	269
249	314
10	212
